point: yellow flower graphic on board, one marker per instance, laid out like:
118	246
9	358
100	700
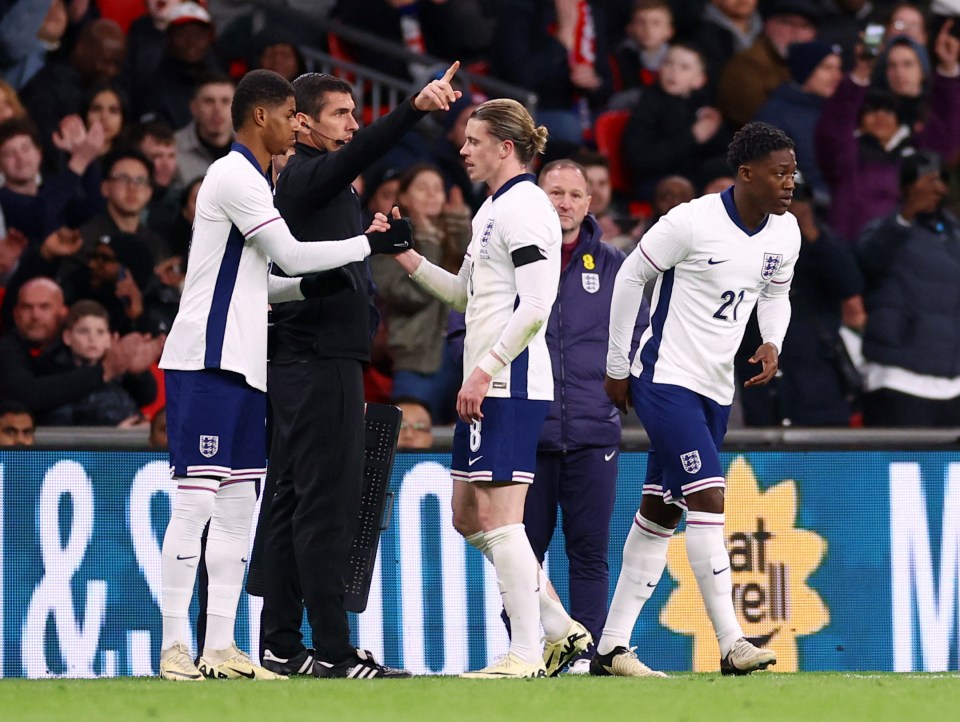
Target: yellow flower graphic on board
770	561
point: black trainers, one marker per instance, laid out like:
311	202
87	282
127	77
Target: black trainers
299	664
362	666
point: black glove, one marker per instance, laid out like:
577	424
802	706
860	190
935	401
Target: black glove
327	283
397	239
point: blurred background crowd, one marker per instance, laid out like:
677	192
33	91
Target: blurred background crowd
111	112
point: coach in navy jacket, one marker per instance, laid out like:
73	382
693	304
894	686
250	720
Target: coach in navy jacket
577	454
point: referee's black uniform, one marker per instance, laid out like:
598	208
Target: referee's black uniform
316	396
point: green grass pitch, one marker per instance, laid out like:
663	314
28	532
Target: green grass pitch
819	697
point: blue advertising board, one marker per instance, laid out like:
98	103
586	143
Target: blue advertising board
842	560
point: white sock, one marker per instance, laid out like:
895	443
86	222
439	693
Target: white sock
227	545
553	616
179	559
644	557
516	568
710	563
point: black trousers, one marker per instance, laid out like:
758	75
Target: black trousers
316	471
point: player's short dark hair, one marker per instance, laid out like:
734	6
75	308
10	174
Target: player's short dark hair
10	406
126	154
755	141
311	91
13	127
258	87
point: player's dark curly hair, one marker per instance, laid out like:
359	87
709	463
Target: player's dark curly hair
755	141
258	88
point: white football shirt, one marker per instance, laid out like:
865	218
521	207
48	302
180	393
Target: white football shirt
222	319
712	272
519	214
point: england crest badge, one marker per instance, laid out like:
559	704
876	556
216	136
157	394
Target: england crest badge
590	281
771	264
691	461
209	446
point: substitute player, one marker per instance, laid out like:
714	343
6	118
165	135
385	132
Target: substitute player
714	258
215	360
507	284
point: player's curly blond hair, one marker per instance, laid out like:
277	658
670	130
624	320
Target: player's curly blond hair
507	119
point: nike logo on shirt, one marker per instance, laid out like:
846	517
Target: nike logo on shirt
181	559
714	263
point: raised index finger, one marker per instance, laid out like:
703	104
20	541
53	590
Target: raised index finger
451	71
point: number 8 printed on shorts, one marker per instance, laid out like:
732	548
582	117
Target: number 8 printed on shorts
475	435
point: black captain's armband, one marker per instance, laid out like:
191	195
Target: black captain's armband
525	255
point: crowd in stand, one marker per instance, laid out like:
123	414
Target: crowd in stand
110	114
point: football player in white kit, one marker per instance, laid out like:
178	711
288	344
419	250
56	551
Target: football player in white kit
215	362
507	285
713	259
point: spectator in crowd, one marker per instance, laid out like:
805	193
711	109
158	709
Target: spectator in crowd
119	275
911	261
276	53
29	32
600	189
69	197
576	469
156	141
127	187
862	136
416	320
906	19
12	245
926	99
818	383
182	230
106	104
669	193
86	340
10	105
54	258
451	30
795	106
727	27
16	424
416	428
209	134
556	48
27	371
753	74
165	94
158	431
381	191
673	129
145	40
636	60
58	89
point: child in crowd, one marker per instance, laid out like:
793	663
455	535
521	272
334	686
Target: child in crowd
637	59
672	130
86	339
